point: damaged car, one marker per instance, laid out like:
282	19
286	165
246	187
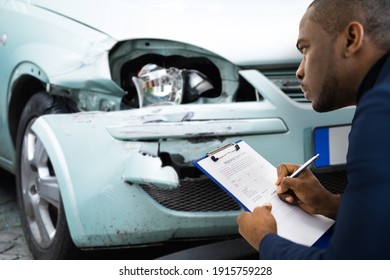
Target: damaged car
106	104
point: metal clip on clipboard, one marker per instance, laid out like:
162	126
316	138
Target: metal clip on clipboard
220	149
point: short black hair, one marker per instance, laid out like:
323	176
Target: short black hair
374	15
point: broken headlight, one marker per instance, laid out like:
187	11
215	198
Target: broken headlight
158	86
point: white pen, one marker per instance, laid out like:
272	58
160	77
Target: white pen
304	166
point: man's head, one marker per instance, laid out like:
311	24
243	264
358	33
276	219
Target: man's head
340	41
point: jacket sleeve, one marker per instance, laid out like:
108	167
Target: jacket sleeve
274	247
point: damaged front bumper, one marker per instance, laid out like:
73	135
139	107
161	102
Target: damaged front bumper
132	183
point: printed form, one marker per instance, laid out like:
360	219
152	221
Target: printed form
250	179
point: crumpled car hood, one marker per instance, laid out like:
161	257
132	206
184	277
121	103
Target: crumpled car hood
245	32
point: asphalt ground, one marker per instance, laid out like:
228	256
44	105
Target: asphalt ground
12	243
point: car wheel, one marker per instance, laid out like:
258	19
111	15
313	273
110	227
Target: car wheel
39	198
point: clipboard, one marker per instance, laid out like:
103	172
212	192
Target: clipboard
250	180
223	166
215	155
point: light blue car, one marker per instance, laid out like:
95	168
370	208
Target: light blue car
105	104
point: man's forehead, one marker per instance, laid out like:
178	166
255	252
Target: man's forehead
305	18
310	30
303	26
307	25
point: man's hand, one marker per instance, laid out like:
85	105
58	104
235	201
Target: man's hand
305	191
254	226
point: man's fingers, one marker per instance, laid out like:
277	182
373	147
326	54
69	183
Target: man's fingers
283	171
285	185
244	215
268	206
291	199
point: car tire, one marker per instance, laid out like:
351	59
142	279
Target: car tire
41	209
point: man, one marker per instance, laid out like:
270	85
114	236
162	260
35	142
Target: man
345	46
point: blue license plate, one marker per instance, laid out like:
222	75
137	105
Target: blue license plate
332	145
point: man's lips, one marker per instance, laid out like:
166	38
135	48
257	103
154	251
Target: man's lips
304	90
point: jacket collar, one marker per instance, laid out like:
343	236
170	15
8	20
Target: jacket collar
377	73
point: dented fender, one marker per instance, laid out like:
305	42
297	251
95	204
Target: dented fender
91	170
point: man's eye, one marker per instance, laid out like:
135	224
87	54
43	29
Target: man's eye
304	49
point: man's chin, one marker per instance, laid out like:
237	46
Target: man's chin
316	107
322	109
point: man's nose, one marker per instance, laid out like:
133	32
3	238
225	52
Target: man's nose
300	73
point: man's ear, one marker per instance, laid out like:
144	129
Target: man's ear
354	34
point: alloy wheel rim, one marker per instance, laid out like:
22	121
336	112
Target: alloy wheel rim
40	190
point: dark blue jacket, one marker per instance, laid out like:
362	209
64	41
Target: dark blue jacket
362	228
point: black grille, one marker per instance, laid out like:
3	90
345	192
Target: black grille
335	182
290	86
286	80
194	195
203	195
